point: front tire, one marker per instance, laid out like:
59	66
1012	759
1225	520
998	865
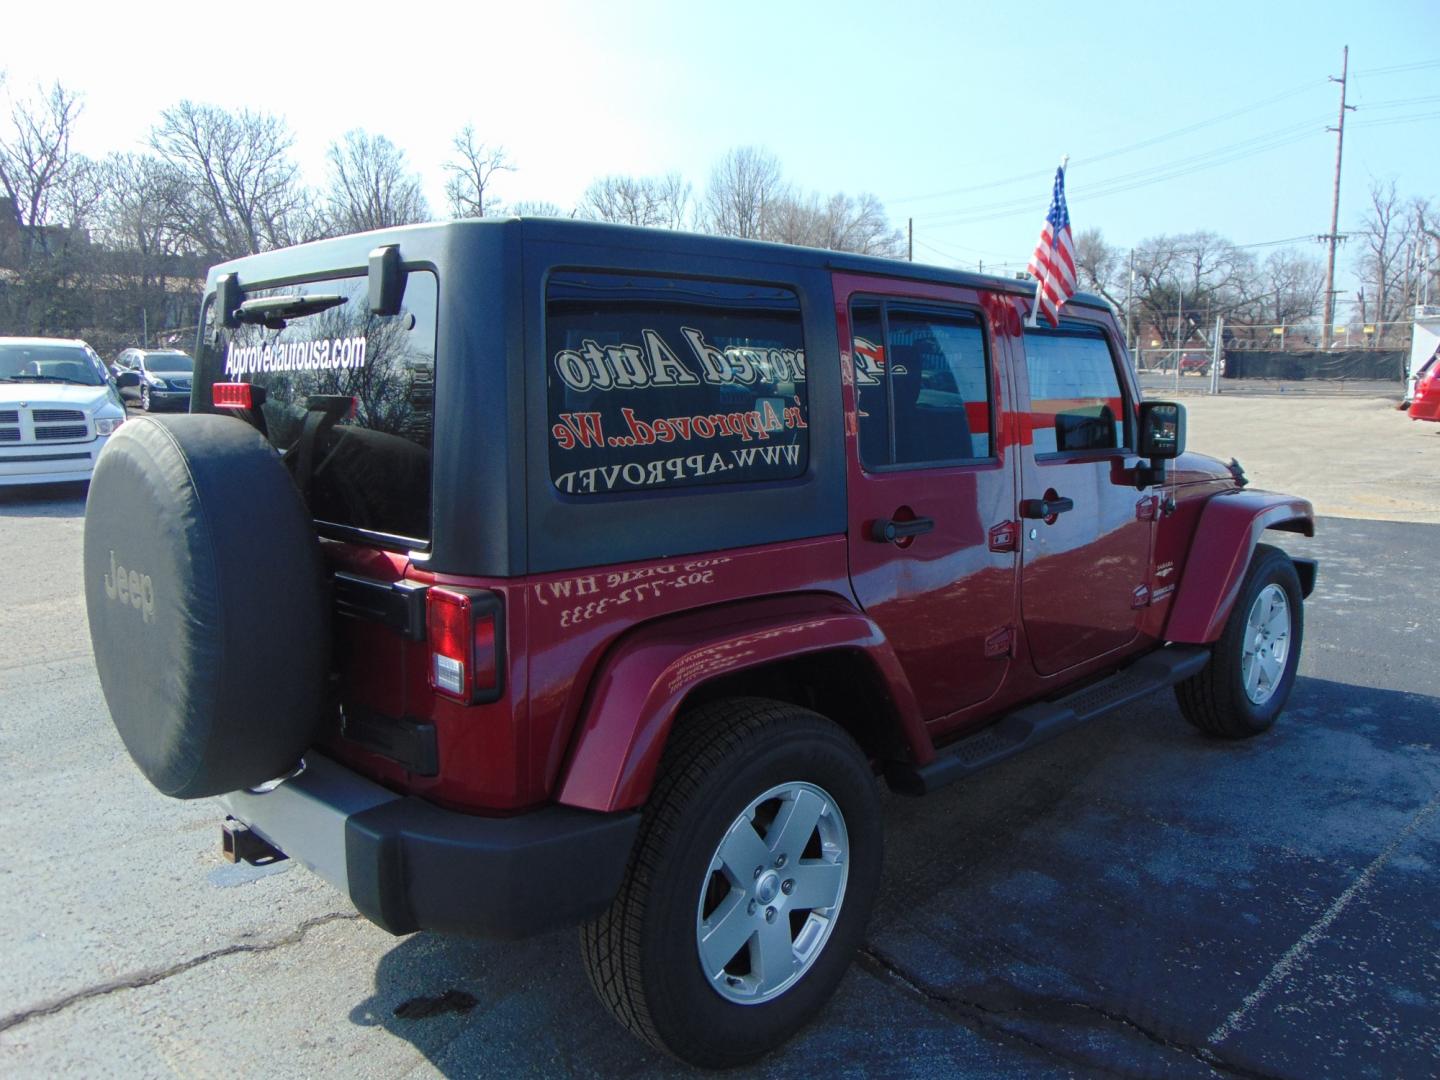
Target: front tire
145	398
749	888
1252	668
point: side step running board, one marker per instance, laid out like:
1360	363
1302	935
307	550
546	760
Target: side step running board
1033	724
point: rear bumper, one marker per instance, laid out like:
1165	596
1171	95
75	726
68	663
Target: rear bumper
163	399
1426	408
409	865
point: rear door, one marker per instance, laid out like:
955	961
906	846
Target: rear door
931	488
347	397
1084	579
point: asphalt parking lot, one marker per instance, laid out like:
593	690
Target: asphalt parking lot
1130	899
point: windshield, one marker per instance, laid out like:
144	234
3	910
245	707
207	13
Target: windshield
49	363
176	362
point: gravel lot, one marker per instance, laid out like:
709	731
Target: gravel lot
1351	456
1130	899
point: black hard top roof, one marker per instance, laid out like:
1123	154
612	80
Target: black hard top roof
353	251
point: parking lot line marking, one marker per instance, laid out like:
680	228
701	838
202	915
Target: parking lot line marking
1297	952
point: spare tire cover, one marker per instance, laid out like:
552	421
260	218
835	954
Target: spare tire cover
207	600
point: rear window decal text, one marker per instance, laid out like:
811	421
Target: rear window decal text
326	354
633	367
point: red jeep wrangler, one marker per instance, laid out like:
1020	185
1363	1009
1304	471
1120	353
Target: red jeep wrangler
513	574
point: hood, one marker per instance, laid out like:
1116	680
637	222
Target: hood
42	395
1193	468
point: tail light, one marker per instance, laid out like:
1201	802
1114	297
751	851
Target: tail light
466	630
233	395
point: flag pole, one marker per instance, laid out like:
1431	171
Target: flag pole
1033	321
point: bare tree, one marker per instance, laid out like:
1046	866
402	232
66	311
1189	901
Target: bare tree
370	186
1292	284
36	163
472	170
243	188
745	187
47	194
139	226
838	222
80	194
1385	235
661	201
538	208
1183	282
1100	267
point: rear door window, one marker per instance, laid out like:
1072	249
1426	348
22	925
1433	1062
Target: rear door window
662	382
349	402
922	385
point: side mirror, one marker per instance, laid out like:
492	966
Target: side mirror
1162	438
127	378
1162	429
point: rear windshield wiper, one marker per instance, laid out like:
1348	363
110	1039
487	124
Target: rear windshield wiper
272	311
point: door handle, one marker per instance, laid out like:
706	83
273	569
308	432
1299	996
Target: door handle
887	531
1044	508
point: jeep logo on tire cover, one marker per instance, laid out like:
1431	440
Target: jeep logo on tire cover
131	587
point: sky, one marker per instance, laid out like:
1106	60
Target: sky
1175	117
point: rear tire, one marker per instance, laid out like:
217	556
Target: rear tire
718	962
1252	667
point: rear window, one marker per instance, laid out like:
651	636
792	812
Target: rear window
177	362
350	402
672	382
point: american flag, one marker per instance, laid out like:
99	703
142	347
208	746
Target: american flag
1053	263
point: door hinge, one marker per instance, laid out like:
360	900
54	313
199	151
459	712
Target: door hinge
1000	644
1005	536
1146	507
1140	596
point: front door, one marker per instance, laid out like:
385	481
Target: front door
931	487
1086	539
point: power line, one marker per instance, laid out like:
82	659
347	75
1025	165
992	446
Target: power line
1157	174
1308	237
1223	155
1116	185
1388	120
1397	68
1120	151
1394	103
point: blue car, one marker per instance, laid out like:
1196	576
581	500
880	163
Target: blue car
155	379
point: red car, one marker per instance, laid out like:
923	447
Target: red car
522	574
1426	403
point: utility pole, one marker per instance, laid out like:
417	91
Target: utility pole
910	240
1334	235
1179	342
1130	307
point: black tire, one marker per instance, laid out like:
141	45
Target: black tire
145	398
207	603
1215	700
642	955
